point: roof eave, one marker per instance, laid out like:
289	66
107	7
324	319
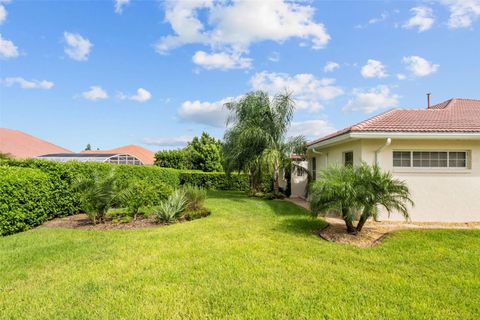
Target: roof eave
397	135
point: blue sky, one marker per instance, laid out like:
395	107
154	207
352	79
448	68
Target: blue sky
156	73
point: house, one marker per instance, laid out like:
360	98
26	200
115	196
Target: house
436	151
146	156
21	145
115	158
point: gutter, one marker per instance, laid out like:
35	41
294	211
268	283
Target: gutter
387	143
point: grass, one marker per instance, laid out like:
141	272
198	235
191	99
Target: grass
251	259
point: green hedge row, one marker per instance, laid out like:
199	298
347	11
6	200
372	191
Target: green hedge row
214	180
27	199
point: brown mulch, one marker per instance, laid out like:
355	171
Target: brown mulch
81	221
373	233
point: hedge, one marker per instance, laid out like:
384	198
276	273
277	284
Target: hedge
62	175
214	180
27	199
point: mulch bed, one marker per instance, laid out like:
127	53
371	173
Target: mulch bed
81	221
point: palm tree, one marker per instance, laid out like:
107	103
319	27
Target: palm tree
335	191
380	189
256	137
97	194
358	193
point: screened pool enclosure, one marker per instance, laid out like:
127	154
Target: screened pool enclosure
93	157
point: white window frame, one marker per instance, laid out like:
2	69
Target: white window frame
467	160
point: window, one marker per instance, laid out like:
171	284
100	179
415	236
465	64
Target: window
314	168
348	159
430	159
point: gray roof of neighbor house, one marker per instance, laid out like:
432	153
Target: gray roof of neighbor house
451	116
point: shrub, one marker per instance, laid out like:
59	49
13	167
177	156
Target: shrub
195	197
27	199
97	194
178	159
138	194
214	180
171	209
197	214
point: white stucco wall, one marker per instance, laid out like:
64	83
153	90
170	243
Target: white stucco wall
299	182
444	194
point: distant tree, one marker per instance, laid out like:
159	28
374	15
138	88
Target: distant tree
177	159
205	153
88	147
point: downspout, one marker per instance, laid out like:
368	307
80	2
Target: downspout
322	153
387	143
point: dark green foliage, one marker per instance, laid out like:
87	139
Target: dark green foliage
177	159
26	199
204	153
197	214
214	180
141	193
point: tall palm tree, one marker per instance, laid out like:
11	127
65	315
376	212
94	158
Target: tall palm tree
256	136
358	193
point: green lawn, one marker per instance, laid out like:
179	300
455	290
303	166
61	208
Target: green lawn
251	259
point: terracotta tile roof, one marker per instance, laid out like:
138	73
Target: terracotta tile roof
454	115
22	145
145	155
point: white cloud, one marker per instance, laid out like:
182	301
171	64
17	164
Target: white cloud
311	129
142	95
232	26
119	4
78	47
372	100
209	113
382	18
462	12
419	66
95	93
331	66
176	141
373	69
401	76
274	57
7	48
28	84
422	19
307	90
223	61
3	13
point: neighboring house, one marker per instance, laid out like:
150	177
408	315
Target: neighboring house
435	150
21	145
115	158
146	156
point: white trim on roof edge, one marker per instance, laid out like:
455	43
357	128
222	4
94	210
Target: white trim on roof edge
398	135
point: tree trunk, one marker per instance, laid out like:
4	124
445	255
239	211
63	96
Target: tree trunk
363	219
348	222
276	175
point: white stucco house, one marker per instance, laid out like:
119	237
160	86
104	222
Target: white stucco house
436	150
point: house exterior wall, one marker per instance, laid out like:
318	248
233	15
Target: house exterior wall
299	182
443	194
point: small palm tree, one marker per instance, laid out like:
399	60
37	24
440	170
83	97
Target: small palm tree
357	193
380	189
335	191
97	194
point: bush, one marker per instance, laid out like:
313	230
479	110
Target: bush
214	180
27	199
141	193
177	159
197	214
171	209
195	197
